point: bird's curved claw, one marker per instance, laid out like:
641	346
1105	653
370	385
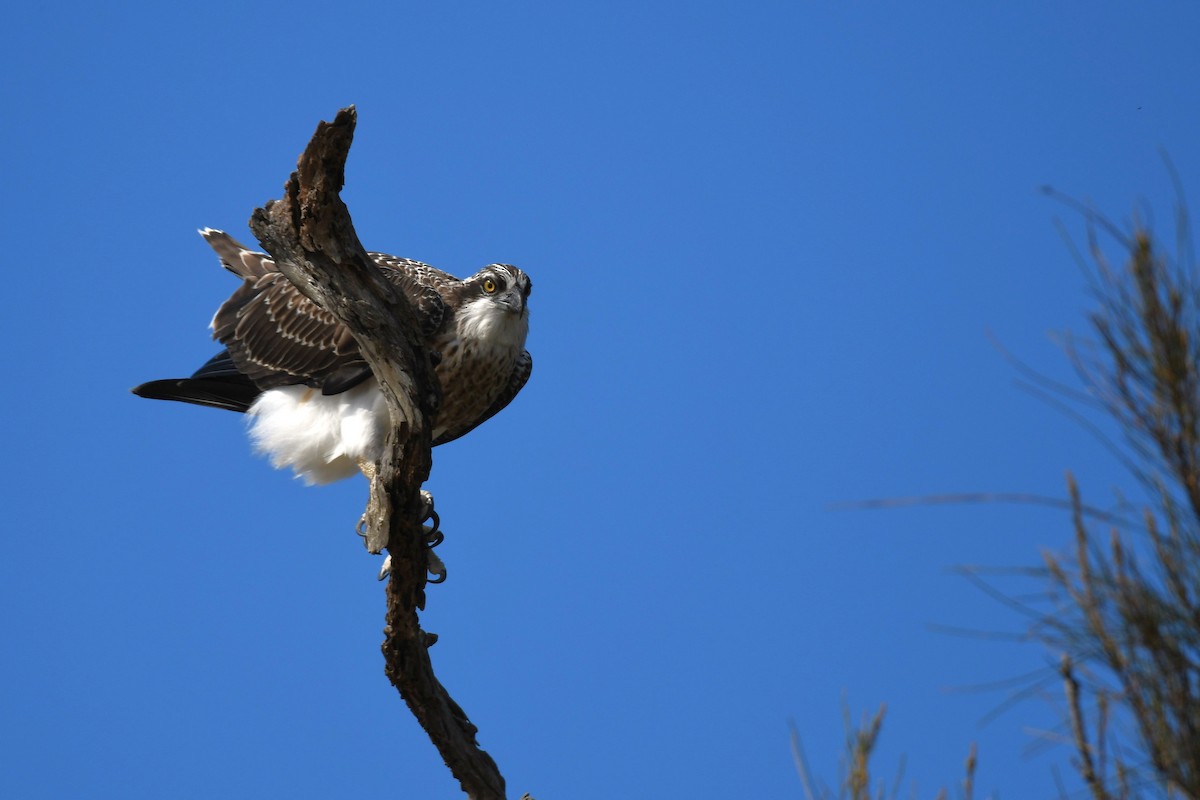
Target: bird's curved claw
433	532
437	569
428	511
433	537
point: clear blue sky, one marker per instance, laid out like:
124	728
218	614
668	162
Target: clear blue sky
768	240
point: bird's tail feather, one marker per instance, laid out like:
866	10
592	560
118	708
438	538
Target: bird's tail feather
236	257
232	395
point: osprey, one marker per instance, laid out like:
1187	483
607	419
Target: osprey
311	399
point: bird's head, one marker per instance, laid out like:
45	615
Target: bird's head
496	305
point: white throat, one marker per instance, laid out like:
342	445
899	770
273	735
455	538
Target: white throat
484	322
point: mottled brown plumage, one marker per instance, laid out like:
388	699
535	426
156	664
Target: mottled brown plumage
275	337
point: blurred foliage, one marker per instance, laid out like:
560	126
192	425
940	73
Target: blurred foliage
1125	621
1119	611
856	778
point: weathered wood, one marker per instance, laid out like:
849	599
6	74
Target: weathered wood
311	237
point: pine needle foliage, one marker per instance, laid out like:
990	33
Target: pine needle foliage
1126	620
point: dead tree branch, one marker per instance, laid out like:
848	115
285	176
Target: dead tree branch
311	237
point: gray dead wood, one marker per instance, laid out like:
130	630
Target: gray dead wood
311	237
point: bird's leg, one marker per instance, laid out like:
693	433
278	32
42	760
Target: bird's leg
433	534
433	537
367	468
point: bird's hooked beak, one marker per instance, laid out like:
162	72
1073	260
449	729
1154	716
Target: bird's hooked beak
512	301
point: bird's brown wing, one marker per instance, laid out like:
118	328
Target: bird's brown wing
276	336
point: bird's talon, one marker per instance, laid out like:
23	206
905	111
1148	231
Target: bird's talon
435	567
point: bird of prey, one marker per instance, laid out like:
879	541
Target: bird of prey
312	402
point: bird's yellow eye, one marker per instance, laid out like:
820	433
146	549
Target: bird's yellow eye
489	285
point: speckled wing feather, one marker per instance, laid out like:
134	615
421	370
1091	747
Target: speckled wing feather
520	375
276	336
427	289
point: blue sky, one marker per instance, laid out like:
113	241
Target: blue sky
769	242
